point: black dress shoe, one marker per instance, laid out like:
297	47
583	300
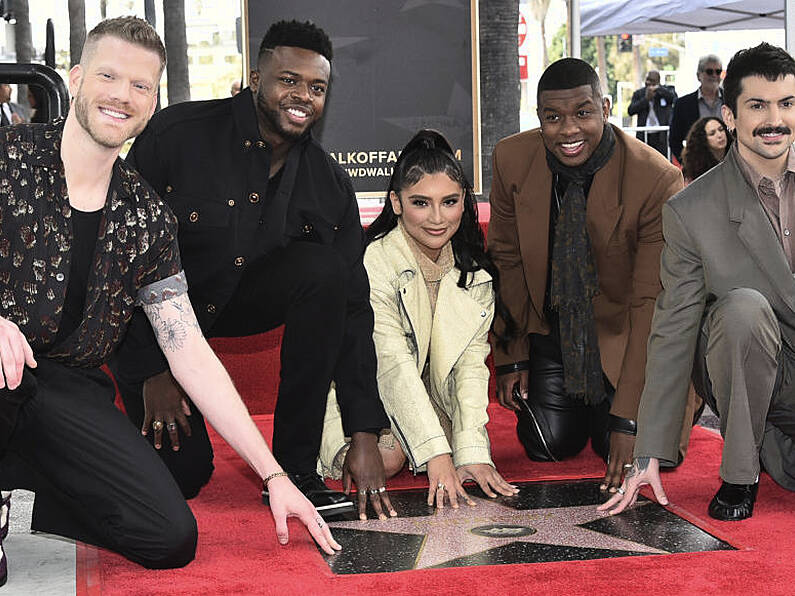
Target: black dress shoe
733	502
325	500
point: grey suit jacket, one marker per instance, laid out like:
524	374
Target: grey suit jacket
717	238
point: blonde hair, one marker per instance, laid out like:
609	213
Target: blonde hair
130	29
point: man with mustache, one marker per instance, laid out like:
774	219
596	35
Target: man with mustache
269	234
727	310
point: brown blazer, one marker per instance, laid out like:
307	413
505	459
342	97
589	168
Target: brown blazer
625	229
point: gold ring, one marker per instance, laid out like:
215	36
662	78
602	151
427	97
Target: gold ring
440	486
627	466
157	425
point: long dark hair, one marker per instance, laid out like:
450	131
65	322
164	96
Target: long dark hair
42	108
429	152
697	157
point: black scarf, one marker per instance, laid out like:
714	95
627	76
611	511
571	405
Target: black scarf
574	277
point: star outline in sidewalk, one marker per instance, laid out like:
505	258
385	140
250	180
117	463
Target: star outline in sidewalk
448	525
529	528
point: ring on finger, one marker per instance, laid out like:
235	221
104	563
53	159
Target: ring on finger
171	426
440	486
382	489
620	490
373	491
157	425
319	522
627	466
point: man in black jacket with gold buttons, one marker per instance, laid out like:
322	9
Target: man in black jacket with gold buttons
269	234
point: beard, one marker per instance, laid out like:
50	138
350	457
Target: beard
272	118
109	140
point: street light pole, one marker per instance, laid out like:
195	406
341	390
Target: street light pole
574	28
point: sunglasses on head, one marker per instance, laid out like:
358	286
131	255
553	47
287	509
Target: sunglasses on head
713	72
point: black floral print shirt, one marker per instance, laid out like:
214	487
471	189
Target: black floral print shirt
136	248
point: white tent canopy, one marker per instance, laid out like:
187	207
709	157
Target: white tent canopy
609	17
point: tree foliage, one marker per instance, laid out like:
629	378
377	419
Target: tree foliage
619	64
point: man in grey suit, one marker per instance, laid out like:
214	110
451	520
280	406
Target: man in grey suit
727	310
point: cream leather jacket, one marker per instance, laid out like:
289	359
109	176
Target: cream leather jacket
455	342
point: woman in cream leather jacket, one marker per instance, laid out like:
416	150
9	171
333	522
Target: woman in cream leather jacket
432	293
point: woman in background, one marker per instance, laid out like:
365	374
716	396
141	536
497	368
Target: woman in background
707	143
432	289
37	99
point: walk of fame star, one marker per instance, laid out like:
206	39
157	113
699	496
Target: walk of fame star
522	529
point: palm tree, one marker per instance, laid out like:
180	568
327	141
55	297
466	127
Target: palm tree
499	76
23	43
177	49
539	9
77	30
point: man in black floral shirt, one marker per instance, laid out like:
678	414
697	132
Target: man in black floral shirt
83	240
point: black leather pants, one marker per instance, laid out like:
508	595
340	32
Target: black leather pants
552	425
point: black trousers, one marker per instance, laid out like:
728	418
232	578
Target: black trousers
555	426
301	286
94	477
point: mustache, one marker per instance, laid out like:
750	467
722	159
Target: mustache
765	130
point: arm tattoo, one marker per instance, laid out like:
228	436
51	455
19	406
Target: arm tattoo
638	467
172	322
171	335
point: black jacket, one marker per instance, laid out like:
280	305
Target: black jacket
664	98
207	161
685	115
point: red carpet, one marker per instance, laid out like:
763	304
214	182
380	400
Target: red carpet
238	552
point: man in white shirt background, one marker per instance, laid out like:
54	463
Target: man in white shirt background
10	113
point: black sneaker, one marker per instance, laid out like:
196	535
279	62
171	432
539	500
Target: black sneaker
325	500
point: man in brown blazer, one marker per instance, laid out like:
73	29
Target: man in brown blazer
576	234
727	312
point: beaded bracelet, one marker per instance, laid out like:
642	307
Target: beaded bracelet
270	477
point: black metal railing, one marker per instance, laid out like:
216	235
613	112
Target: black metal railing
43	76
